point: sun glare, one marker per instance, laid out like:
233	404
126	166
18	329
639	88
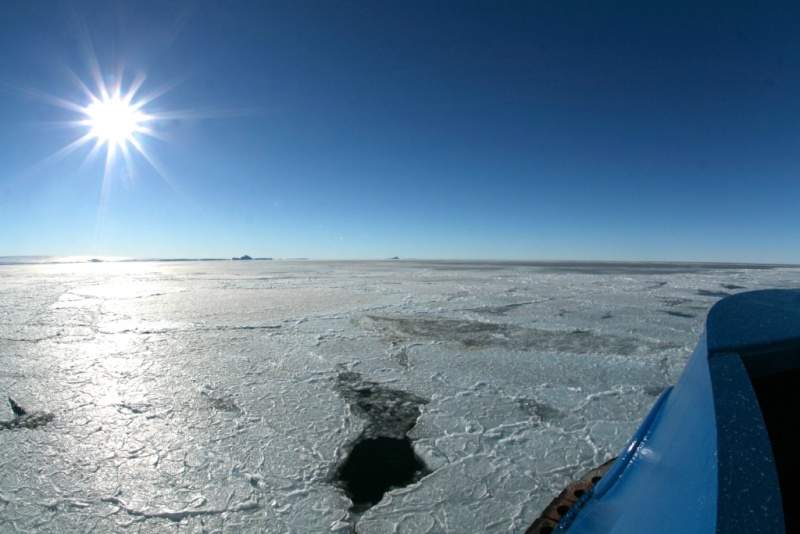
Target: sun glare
114	121
115	118
113	124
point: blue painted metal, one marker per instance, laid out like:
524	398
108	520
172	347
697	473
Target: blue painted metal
748	488
754	321
628	455
702	460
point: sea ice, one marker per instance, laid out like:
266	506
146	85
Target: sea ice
207	396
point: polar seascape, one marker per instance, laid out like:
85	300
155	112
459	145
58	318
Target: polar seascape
219	396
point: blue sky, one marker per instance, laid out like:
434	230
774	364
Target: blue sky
457	130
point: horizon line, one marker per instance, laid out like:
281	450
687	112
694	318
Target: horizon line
82	258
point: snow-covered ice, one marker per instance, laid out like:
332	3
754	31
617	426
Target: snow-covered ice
223	396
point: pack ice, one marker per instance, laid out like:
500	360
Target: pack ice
266	396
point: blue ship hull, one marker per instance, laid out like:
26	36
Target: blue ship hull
718	451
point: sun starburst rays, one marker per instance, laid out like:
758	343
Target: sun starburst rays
114	121
110	123
113	118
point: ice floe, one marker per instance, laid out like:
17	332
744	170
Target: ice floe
205	396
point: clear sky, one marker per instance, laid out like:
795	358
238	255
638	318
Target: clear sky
418	129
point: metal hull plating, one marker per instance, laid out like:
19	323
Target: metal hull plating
713	453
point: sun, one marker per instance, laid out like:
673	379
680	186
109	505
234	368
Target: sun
115	121
111	120
114	118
